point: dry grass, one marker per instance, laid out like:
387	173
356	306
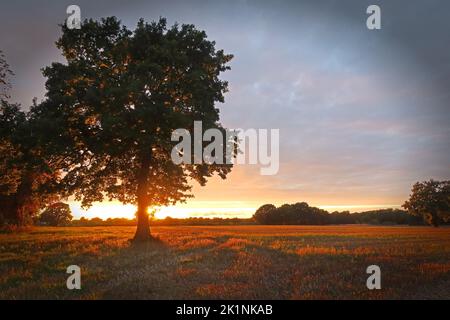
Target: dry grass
238	262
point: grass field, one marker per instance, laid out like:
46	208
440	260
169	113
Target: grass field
233	262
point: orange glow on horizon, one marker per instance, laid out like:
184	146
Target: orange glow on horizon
207	209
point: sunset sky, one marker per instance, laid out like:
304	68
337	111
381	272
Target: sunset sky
362	114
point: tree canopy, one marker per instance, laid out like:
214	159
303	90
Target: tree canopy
120	96
57	214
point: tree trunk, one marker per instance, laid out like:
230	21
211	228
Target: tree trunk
143	224
19	208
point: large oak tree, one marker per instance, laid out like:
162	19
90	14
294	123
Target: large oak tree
120	96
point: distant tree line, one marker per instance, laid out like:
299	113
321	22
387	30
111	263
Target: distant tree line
428	203
300	213
295	214
303	214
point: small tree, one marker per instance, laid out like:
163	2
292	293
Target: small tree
264	213
58	214
430	200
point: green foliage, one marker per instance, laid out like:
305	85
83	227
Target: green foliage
430	200
27	176
264	213
11	118
299	213
58	214
18	171
303	214
118	100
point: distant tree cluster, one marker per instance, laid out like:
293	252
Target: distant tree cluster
57	214
303	214
299	213
378	217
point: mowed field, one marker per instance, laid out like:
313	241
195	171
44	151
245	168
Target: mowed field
230	262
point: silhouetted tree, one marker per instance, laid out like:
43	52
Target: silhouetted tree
57	214
291	214
344	217
430	200
264	213
302	214
121	95
27	170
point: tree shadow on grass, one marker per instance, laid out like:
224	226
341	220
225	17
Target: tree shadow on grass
158	270
200	266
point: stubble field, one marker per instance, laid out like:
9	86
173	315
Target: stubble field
230	262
